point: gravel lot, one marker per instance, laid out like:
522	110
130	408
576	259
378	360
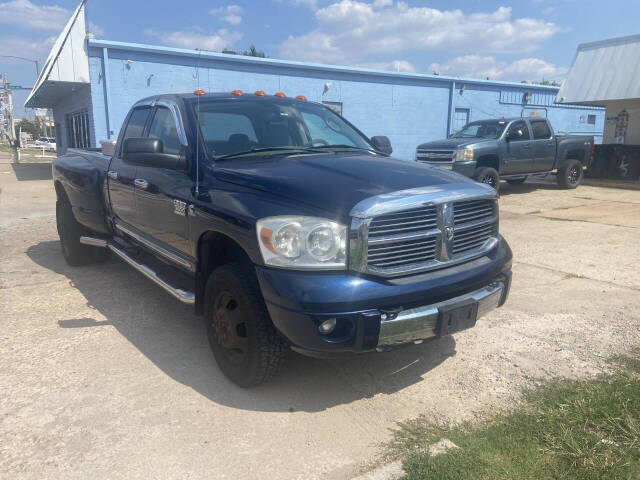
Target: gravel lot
104	375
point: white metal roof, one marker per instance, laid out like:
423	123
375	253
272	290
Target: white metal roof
67	63
603	71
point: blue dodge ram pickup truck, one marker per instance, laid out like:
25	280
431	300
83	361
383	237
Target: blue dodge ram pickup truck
285	227
511	149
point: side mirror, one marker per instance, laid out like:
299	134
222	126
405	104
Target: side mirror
148	152
382	144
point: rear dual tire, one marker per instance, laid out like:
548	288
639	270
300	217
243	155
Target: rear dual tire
70	231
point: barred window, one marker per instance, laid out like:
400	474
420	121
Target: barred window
78	130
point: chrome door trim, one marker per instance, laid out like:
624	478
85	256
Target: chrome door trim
189	265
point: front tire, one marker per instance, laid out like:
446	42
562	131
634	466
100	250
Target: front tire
570	175
70	231
489	176
243	340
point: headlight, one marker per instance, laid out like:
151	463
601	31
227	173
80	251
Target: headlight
464	155
302	242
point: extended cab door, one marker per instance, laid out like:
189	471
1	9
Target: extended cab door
517	156
163	195
121	176
543	145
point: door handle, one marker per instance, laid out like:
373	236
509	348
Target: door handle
113	175
141	183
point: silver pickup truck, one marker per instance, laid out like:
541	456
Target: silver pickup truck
511	149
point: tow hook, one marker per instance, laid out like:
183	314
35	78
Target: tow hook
389	313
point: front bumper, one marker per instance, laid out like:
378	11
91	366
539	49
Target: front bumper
464	168
298	302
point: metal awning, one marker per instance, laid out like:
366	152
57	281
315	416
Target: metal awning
67	66
603	71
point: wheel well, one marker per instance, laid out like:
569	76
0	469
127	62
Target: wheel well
61	195
215	249
576	155
489	161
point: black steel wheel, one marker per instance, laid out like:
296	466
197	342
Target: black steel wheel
570	175
241	335
489	176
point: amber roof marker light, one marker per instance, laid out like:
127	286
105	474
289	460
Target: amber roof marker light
260	93
236	92
199	92
279	95
302	97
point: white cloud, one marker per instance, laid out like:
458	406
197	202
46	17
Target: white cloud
382	3
231	14
312	4
350	31
95	29
26	15
196	38
395	65
14	45
483	66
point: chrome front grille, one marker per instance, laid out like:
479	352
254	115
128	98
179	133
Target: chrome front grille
399	253
434	156
410	235
407	221
471	239
472	210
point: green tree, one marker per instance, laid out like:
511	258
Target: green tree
33	127
254	52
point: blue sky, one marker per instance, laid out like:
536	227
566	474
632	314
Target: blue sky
523	40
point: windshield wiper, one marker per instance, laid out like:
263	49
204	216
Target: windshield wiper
286	150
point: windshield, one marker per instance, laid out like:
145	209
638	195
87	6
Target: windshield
232	127
482	129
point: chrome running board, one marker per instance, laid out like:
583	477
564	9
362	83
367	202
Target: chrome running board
182	295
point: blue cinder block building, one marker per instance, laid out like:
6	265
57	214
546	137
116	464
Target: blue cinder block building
90	85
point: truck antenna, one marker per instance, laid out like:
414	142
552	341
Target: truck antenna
198	126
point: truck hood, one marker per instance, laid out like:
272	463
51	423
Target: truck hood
453	143
332	182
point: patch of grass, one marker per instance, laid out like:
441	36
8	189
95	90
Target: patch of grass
564	430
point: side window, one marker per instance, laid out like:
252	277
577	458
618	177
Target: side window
325	131
163	127
541	130
136	123
521	130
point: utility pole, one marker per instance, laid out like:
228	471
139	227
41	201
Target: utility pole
8	96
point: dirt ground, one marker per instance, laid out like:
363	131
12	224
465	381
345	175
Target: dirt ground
103	375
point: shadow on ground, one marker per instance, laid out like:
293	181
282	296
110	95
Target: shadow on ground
528	187
174	339
32	171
